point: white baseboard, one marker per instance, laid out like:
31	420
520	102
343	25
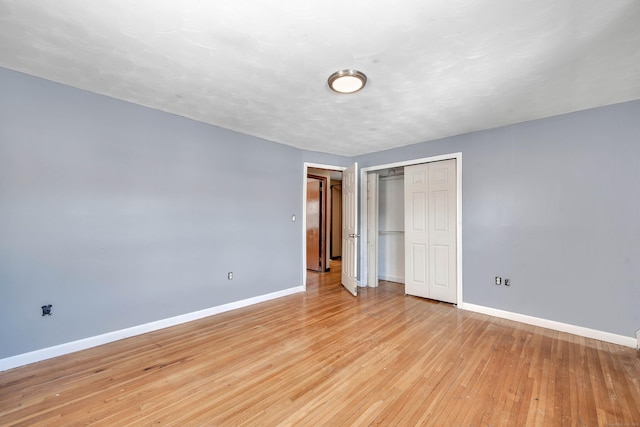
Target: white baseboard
391	279
551	324
70	347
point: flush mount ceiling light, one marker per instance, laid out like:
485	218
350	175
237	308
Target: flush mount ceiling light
347	81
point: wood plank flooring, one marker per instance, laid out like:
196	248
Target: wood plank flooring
325	357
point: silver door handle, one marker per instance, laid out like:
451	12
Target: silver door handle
354	235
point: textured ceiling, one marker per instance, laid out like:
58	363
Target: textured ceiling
436	68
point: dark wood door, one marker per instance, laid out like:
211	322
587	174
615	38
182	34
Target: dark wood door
314	224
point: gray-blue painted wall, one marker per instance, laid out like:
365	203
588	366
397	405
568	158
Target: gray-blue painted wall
120	215
554	205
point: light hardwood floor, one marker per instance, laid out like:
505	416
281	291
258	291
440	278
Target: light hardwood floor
325	357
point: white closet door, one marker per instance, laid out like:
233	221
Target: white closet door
416	231
430	230
442	231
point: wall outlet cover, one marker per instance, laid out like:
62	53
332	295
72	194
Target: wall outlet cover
46	310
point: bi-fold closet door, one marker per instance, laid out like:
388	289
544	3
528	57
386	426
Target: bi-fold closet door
430	230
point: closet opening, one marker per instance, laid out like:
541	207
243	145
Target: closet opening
411	225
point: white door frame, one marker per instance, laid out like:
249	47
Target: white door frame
308	165
363	213
373	182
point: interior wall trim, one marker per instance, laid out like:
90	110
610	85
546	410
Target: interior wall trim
85	343
552	324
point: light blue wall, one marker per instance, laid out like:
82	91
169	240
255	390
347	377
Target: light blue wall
120	215
554	205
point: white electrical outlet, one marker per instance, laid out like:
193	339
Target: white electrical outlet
230	275
498	280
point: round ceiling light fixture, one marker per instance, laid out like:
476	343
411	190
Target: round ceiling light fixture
347	81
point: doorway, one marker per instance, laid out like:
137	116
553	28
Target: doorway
389	231
322	210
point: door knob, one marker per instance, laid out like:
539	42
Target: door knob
354	235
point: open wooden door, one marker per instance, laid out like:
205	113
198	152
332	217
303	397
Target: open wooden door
314	224
350	229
